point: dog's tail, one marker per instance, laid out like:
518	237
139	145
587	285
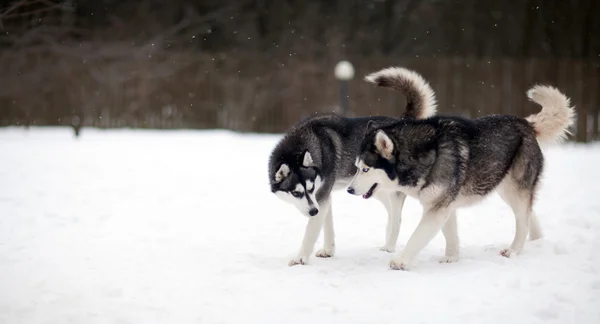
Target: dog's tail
553	122
420	98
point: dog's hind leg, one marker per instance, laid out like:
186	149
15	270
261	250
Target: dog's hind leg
450	232
518	190
519	201
394	205
328	234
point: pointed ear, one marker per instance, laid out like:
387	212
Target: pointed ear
371	125
307	161
283	172
384	144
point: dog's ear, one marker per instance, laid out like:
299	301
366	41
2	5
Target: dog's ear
384	144
307	161
371	125
284	171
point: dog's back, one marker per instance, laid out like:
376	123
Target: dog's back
475	155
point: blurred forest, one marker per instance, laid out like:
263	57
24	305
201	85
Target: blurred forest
261	65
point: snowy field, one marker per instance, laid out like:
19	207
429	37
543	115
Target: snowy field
179	227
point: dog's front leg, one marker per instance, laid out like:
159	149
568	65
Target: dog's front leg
328	233
394	207
311	233
430	224
451	236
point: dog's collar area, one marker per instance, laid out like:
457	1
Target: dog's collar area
370	192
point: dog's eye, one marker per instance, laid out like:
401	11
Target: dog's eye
365	170
296	194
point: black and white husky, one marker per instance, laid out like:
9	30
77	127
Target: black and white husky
317	156
451	162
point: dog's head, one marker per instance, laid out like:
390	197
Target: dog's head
298	184
393	156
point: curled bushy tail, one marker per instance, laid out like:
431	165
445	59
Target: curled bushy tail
420	98
553	122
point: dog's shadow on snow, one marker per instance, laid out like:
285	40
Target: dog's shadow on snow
479	258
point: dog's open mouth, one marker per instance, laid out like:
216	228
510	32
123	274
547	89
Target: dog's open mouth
370	192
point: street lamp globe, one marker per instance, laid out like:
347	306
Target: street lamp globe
344	71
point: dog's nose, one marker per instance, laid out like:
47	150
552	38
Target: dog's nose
351	191
313	212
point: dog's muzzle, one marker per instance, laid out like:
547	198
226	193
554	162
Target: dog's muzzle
367	195
313	211
370	192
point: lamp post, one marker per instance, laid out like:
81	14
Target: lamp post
344	71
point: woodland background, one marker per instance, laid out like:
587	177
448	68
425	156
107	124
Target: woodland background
261	65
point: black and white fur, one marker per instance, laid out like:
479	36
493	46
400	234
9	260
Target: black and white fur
452	162
317	156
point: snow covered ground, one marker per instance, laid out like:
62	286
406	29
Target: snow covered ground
127	226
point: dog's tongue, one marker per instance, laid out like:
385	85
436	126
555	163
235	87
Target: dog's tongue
370	192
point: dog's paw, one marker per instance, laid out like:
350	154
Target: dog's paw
386	248
325	253
298	261
508	253
448	259
399	264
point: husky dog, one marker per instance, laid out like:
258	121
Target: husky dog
317	156
451	162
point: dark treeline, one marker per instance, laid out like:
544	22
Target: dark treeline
258	65
513	28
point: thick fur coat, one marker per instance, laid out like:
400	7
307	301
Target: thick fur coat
451	162
317	155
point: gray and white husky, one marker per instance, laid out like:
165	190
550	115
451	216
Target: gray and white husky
451	162
317	156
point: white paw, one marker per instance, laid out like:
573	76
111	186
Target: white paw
325	253
508	253
386	248
298	260
399	264
448	259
